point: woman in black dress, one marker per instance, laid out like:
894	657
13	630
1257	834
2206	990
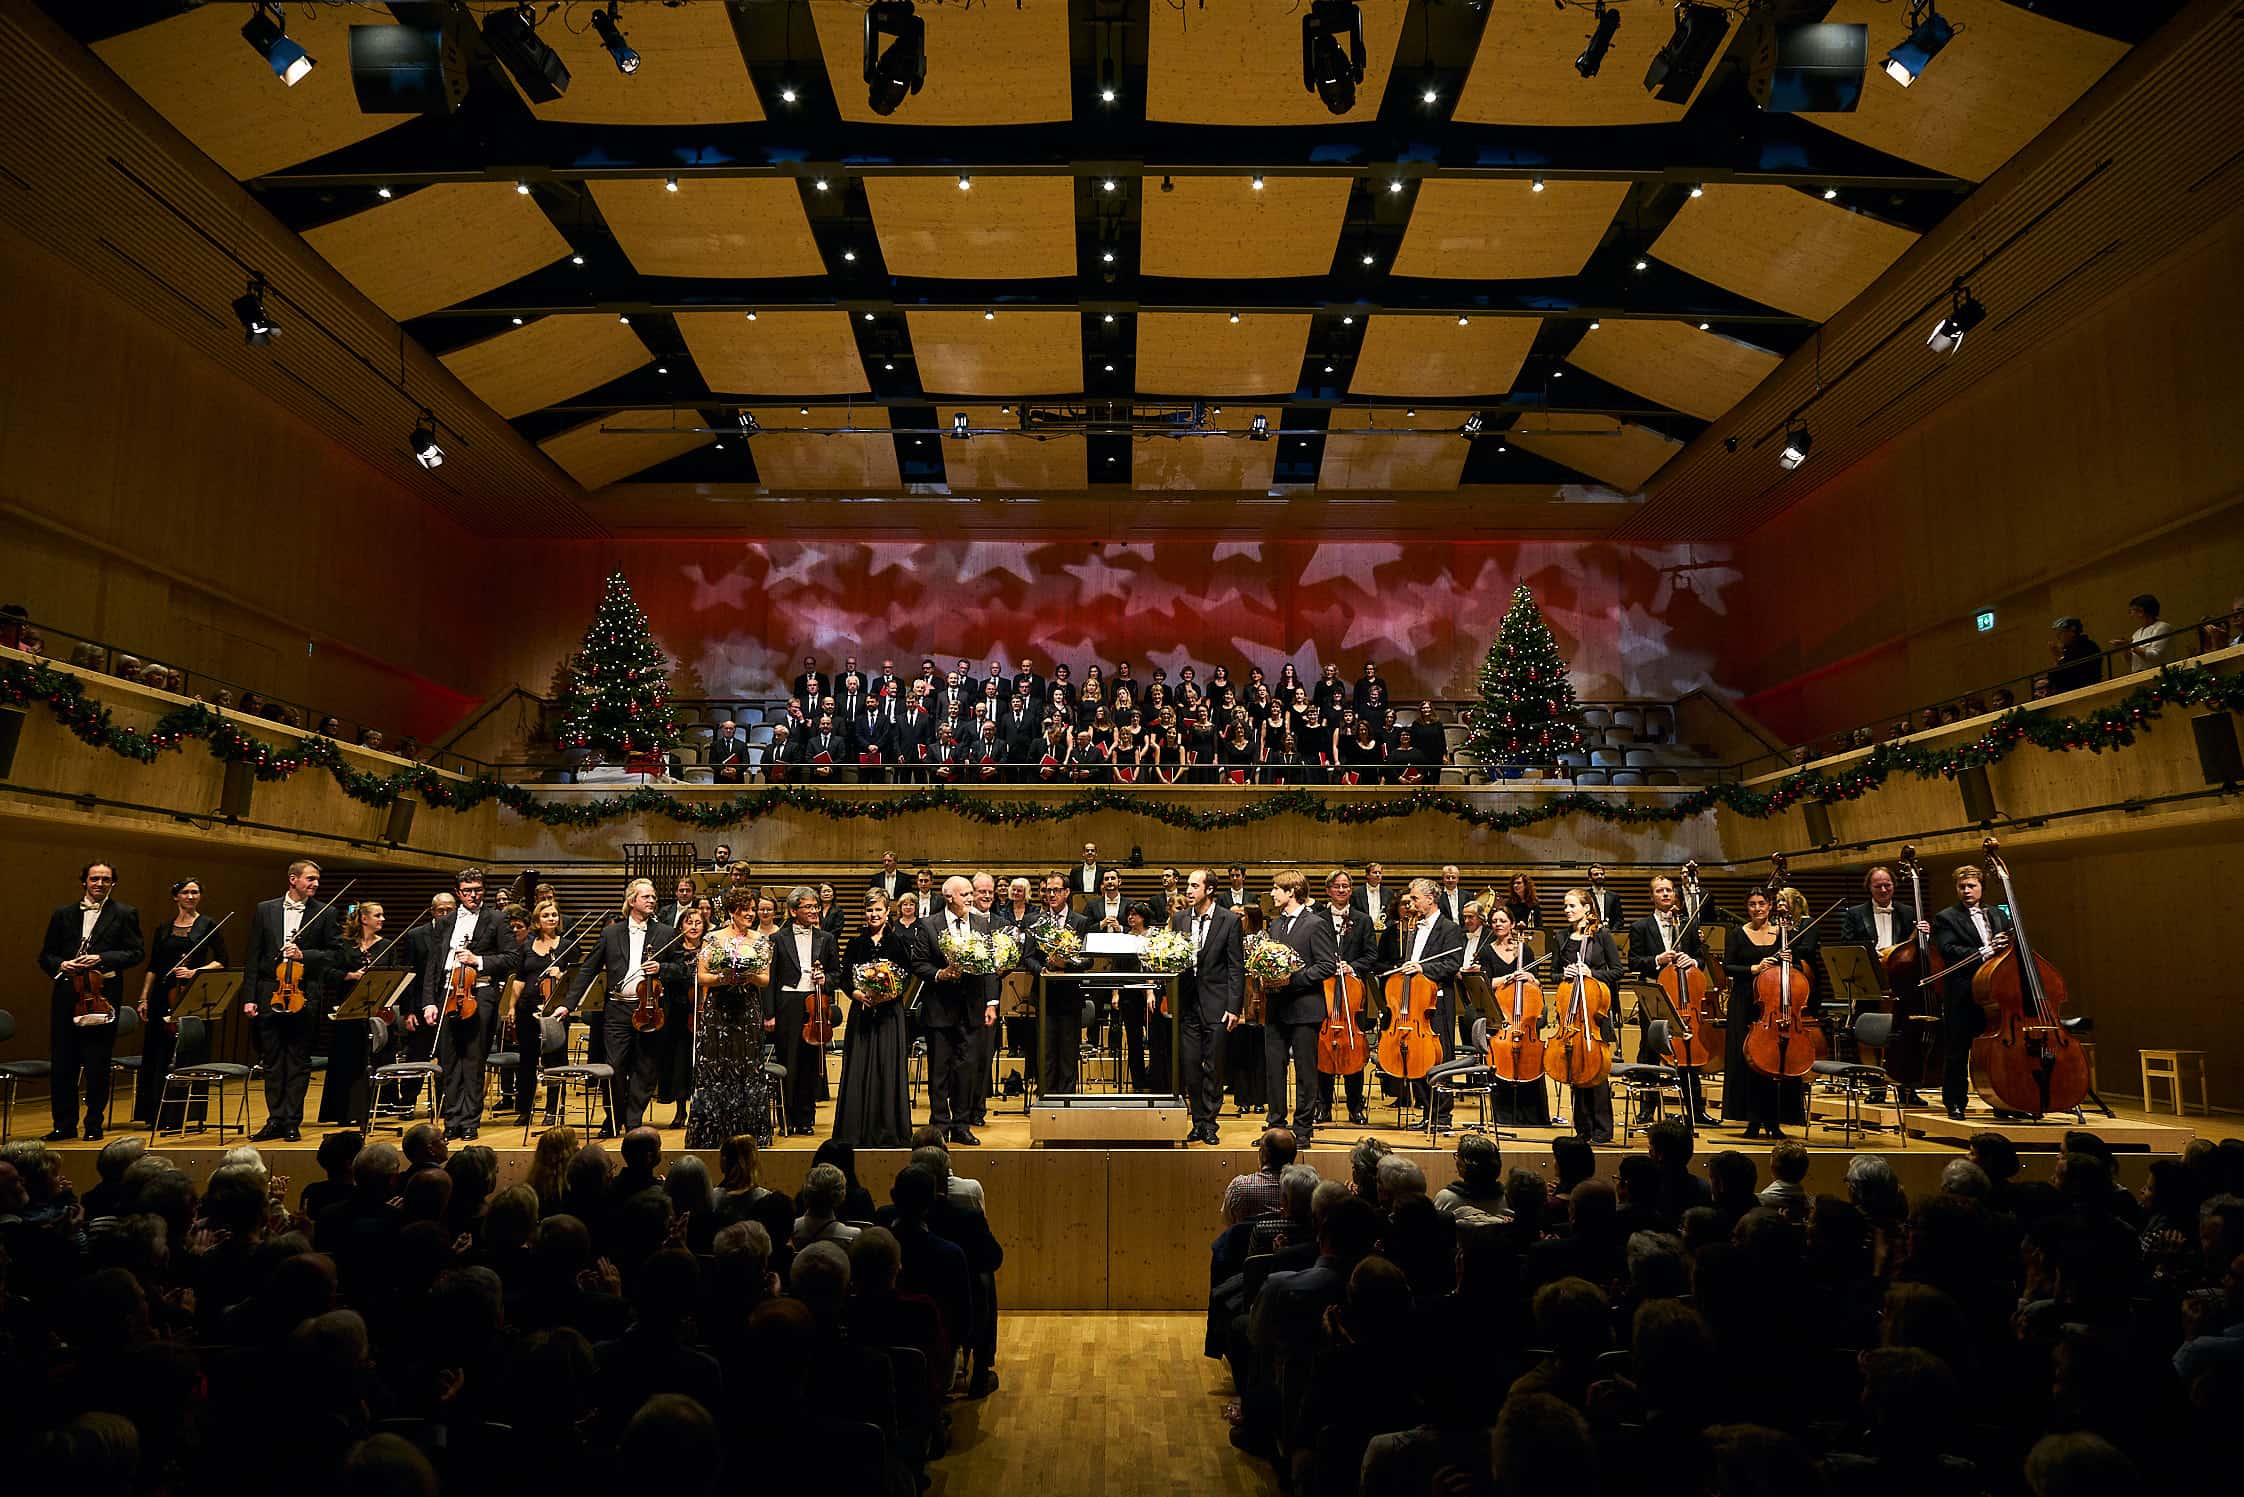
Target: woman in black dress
177	952
541	953
1523	904
830	912
1504	950
1593	951
874	1110
731	1094
674	1070
346	1096
1763	1103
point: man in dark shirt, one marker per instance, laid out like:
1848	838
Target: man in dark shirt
2079	663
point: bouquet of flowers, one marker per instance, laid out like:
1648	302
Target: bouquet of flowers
1062	945
1005	951
1166	951
745	961
970	953
879	981
1271	963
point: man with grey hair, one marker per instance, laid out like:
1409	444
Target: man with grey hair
1965	1180
824	1190
804	960
1400	1179
954	1004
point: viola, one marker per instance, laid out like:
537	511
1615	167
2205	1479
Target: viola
647	1014
1515	1051
1411	1045
1342	1049
1913	1053
1781	1042
2024	1058
1693	1043
1585	1056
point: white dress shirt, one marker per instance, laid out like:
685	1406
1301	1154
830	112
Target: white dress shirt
292	919
1881	920
635	948
87	915
801	984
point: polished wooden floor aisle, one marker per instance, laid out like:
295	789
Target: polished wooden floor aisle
1100	1405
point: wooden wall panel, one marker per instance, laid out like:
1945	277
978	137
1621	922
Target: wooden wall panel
540	363
1225	227
1673	363
986	65
1781	246
1192	354
1000	228
792	353
1013	353
1463	229
442	244
746	227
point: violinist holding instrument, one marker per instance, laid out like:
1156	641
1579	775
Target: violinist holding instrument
291	934
803	961
89	944
1583	1032
189	943
468	962
1358	972
1665	949
541	967
345	1097
627	955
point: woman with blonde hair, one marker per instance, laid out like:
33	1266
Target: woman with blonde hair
549	1166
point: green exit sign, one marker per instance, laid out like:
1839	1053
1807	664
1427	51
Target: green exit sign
1984	621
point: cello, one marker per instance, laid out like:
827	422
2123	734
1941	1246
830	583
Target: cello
2024	1058
1914	1050
1695	1043
1585	1056
1412	1044
1342	1049
1781	1042
1515	1052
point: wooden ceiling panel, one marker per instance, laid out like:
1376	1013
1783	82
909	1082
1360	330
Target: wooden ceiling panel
543	362
750	227
443	244
1524	72
789	458
1056	463
2004	76
1433	357
1616	453
1227	227
690	73
1780	246
797	353
1500	231
195	71
1364	453
1193	354
986	64
1240	64
1011	228
597	458
1013	353
1701	374
1211	464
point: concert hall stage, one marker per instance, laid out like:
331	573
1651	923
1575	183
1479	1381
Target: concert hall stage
1089	1227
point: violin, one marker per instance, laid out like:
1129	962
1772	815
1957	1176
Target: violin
1411	1045
647	1014
89	990
1914	1050
1515	1052
287	996
459	993
1585	1056
1342	1049
1781	1041
2024	1058
818	1016
1694	1042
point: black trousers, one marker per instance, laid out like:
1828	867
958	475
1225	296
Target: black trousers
284	1049
804	1063
635	1062
1160	1042
79	1048
344	1098
1353	1090
1063	1035
461	1045
528	1043
1131	1006
1959	1026
1297	1043
983	1045
1203	1063
158	1048
950	1075
1593	1112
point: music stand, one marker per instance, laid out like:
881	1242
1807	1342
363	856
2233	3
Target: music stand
368	998
1856	976
1476	989
209	995
1016	999
208	998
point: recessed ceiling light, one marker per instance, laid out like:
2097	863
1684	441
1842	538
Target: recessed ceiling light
1558	374
1257	182
1328	368
1698	190
669	184
988	315
720	446
1106	96
751	316
802	410
1410	413
1110	459
1536	185
850	255
662	369
1704	326
868	317
522	187
383	192
1464	321
1110	368
1108	257
787	95
1109	317
518	322
1234	317
1643	265
1395	185
1347	322
623	318
1110	184
819	184
965	183
1500	447
1595	324
1368	260
576	259
889	367
1829	193
1429	96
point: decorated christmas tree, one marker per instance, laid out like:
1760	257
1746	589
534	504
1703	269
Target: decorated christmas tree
1528	713
616	705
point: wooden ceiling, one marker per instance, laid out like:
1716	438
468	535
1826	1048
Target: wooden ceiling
1443	246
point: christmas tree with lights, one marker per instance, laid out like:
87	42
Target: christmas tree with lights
616	706
1528	713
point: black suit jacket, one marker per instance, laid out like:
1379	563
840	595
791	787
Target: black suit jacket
1453	902
960	1002
786	970
1301	999
879	880
1858	922
116	938
316	933
612	955
1645	944
1085	878
1445	947
723	750
1218	983
869	733
1957	941
811	687
1608	907
492	940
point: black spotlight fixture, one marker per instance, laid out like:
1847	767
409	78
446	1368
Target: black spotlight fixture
425	450
258	327
1600	41
1259	429
748	424
1964	314
1472	426
1332	52
267	31
900	70
958	426
1676	67
1796	445
609	23
1929	31
536	68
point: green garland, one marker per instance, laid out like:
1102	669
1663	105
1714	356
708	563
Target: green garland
2115	726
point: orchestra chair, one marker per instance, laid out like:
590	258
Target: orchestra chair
13	1073
1641	1088
2168	1066
775	1087
590	1078
124	1070
216	1075
1856	1083
1470	1076
1096	1052
392	1078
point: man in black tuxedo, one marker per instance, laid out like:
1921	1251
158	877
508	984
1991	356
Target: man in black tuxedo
1451	897
1234	895
824	751
683	896
946	757
1210	998
627	956
1085	880
296	926
1881	921
885	682
1965	934
728	753
869	730
1109	905
476	936
1295	1008
812	685
849	698
1603	901
1021	727
891	880
1376	903
1027	682
1668	938
1430	945
781	756
1063	1026
94	933
1359	962
953	1004
1166	903
804	960
956	695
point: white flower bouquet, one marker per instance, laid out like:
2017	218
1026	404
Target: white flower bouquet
971	953
1166	951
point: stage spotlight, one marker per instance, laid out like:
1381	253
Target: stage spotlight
1929	31
748	426
609	23
1796	445
425	450
1964	314
1676	67
1332	52
1258	430
267	31
1472	426
535	67
958	426
1600	42
258	328
893	74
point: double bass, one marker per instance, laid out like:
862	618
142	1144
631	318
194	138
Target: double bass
1913	1053
1585	1056
1782	1040
2024	1058
1694	1043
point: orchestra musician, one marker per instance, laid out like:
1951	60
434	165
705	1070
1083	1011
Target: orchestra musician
345	1098
804	960
1430	945
1763	1103
1450	898
1965	934
189	943
1018	913
1881	921
1106	911
1088	874
477	937
1657	941
1604	901
892	882
728	753
1589	950
1233	895
284	1040
1506	951
953	1003
1295	1008
540	954
94	933
1376	902
1212	994
627	956
685	895
1473	939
